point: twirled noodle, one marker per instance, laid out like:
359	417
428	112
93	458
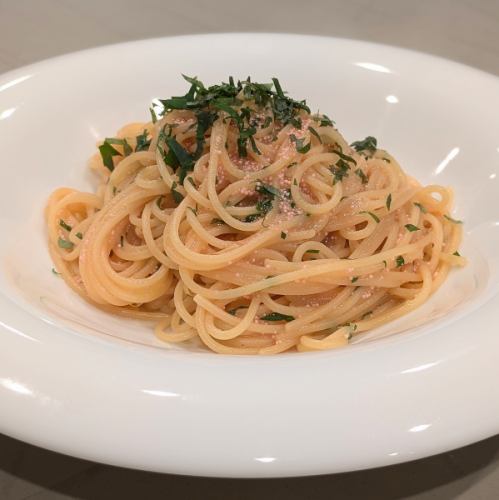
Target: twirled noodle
285	246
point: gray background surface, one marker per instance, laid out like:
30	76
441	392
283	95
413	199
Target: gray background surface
463	30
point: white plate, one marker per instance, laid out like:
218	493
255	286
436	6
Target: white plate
85	383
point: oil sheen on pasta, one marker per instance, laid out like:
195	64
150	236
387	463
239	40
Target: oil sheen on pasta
238	218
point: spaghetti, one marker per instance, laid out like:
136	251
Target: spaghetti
239	218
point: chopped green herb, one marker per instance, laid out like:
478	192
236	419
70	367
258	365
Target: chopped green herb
193	210
79	235
368	144
218	222
421	207
142	142
267	189
205	120
283	107
181	158
252	217
457	254
207	102
114	190
296	122
127	149
343	156
389	201
177	197
107	152
362	175
278	88
315	133
454	221
354	279
373	215
324	120
411	227
399	261
65	226
312	250
283	235
264	206
340	170
65	244
154	118
254	146
225	105
244	135
299	144
275	316
233	311
384	262
267	122
191	180
55	272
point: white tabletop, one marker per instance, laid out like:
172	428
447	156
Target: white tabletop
463	30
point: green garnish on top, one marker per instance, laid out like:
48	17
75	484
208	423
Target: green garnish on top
143	142
267	189
421	207
299	143
340	170
68	245
275	316
370	144
315	133
227	100
235	309
323	120
177	197
107	152
389	201
372	214
454	221
65	226
362	175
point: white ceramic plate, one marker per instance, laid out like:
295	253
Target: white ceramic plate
79	381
